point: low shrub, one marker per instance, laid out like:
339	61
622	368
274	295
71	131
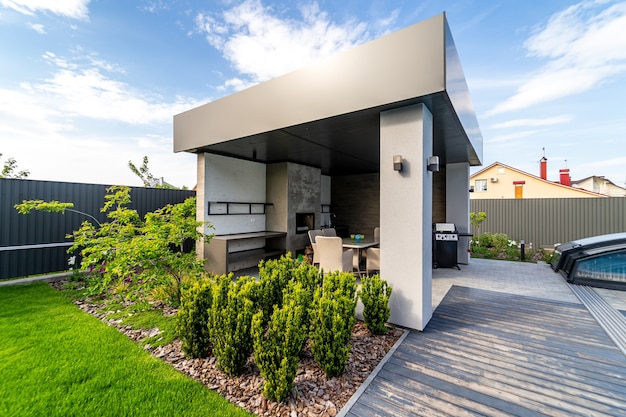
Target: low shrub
193	317
374	294
501	241
230	320
332	322
542	255
484	240
277	348
500	246
274	274
310	279
482	252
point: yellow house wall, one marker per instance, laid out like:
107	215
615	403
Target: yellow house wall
533	188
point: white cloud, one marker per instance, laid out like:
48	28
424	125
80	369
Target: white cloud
80	93
98	158
155	6
513	136
261	45
54	60
84	122
87	90
38	27
236	84
583	46
548	121
385	22
76	9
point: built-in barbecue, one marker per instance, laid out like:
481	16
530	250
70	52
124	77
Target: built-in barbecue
445	243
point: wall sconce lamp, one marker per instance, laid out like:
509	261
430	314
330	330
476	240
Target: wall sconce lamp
397	163
433	163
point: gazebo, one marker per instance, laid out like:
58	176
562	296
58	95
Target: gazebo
382	135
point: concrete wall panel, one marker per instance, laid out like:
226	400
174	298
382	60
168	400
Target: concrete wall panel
304	197
234	180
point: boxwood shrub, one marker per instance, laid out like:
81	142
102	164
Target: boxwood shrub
277	347
193	317
374	294
332	322
230	321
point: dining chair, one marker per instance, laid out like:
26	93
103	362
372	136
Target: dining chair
330	231
372	262
376	239
332	256
313	234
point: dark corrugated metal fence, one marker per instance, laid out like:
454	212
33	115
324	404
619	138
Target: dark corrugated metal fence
35	243
547	221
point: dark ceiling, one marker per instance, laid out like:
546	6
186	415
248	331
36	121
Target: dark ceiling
349	144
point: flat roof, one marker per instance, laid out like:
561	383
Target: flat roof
328	114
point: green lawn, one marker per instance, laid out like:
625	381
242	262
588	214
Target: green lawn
56	360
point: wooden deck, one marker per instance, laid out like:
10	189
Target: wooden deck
495	354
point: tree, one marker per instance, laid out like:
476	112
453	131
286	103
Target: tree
143	172
161	244
134	254
9	170
476	220
148	179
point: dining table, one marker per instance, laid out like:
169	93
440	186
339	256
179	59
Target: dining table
358	247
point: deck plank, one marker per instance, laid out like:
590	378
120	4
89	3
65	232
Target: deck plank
514	363
493	354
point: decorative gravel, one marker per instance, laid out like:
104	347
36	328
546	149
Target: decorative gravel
313	394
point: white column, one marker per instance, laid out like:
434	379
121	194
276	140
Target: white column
406	213
458	205
201	201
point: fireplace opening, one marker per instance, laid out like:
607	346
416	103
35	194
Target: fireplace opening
305	222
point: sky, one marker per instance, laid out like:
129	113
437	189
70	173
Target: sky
88	85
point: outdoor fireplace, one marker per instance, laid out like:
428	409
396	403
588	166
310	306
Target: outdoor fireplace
305	222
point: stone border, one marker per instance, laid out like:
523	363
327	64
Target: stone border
38	278
355	397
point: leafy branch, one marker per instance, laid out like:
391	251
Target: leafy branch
50	207
9	170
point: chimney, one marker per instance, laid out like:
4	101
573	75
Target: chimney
565	177
543	166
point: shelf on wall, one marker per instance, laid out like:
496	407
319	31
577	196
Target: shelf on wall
228	253
229	208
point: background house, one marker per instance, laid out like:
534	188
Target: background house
541	212
498	181
599	184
